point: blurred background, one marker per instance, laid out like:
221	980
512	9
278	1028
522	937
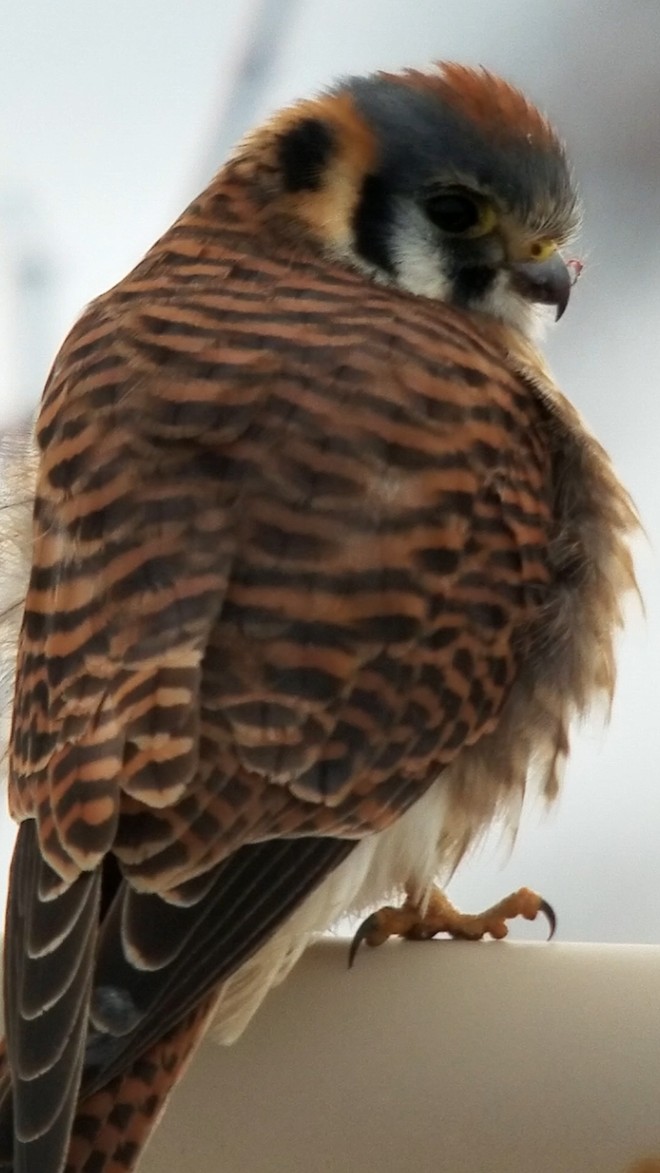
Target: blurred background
113	116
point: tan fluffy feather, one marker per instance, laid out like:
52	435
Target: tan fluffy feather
18	465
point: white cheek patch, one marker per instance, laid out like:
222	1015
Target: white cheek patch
417	260
421	268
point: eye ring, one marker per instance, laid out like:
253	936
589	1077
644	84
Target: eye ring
457	212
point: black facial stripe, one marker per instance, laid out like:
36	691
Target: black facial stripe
303	154
372	223
470	283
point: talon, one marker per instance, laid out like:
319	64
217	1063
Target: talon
363	933
440	916
551	917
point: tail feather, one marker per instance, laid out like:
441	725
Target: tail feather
113	1125
6	1114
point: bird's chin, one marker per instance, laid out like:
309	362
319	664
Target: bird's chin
504	303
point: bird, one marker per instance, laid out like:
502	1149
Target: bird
323	566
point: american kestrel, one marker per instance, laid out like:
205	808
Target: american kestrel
323	567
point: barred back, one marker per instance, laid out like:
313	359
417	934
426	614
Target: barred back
288	522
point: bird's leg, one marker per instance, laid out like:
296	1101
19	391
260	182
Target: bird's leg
440	916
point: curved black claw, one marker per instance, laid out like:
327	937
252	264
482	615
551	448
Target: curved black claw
365	929
551	917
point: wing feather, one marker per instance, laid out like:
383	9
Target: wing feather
50	938
252	893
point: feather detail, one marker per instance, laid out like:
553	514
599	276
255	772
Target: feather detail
377	869
18	472
571	667
113	1124
572	670
50	937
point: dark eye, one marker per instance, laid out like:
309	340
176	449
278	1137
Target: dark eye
455	213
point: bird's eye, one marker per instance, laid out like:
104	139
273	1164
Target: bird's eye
459	214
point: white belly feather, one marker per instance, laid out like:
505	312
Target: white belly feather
406	854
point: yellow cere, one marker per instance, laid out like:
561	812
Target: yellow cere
541	250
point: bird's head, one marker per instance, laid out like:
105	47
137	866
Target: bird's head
448	184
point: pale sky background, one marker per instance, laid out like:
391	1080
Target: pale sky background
113	115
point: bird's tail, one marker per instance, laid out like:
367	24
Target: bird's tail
6	1116
112	1126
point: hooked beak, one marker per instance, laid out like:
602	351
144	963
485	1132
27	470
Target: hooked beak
548	281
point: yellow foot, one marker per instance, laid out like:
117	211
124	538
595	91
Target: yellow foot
441	917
